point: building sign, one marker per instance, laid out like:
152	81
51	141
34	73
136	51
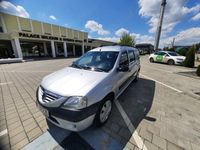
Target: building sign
28	35
46	37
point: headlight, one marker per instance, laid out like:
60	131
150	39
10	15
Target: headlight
179	59
75	102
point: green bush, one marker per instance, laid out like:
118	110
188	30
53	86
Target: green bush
198	70
182	51
190	58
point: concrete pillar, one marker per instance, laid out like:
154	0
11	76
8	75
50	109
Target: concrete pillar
14	48
83	48
45	49
56	48
65	48
17	48
53	49
74	52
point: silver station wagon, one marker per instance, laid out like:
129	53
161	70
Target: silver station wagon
82	94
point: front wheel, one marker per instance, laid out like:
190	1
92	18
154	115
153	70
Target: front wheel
103	113
170	62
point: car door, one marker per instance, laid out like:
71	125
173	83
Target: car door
122	76
159	56
166	57
132	63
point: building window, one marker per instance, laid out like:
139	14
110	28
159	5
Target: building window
32	49
1	29
6	50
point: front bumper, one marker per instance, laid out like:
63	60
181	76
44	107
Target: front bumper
72	126
73	121
179	62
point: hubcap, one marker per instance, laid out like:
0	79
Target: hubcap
105	111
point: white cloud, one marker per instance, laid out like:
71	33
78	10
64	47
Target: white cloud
121	31
94	26
143	38
174	13
138	37
110	39
10	8
186	37
52	17
196	17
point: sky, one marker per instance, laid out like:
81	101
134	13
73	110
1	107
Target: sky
108	19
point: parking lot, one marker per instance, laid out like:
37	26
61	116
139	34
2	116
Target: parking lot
160	111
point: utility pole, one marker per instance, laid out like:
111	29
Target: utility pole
157	39
173	42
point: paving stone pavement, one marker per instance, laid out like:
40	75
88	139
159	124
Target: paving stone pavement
163	118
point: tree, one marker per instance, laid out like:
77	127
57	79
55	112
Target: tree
127	40
198	70
182	51
190	58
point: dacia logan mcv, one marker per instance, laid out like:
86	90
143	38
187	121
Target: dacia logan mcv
82	94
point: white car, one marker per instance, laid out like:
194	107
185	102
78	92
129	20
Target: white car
168	57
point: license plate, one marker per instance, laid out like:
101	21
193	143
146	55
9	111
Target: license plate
44	111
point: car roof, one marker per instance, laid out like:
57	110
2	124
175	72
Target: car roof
116	48
166	51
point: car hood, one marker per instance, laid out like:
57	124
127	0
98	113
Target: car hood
72	82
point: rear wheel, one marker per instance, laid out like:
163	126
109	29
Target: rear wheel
103	113
170	62
151	60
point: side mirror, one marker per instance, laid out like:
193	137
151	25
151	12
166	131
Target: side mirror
123	68
166	55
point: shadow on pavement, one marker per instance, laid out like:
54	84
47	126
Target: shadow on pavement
137	100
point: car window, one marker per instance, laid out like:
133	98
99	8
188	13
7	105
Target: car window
160	53
131	55
123	59
173	54
97	61
86	60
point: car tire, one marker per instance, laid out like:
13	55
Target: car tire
151	60
170	62
103	113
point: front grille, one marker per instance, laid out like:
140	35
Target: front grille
46	96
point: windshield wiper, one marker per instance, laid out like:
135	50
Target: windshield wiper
93	68
76	66
99	69
86	67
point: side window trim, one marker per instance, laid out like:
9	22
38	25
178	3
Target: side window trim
130	59
126	56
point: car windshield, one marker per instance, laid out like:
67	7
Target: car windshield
96	61
173	54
